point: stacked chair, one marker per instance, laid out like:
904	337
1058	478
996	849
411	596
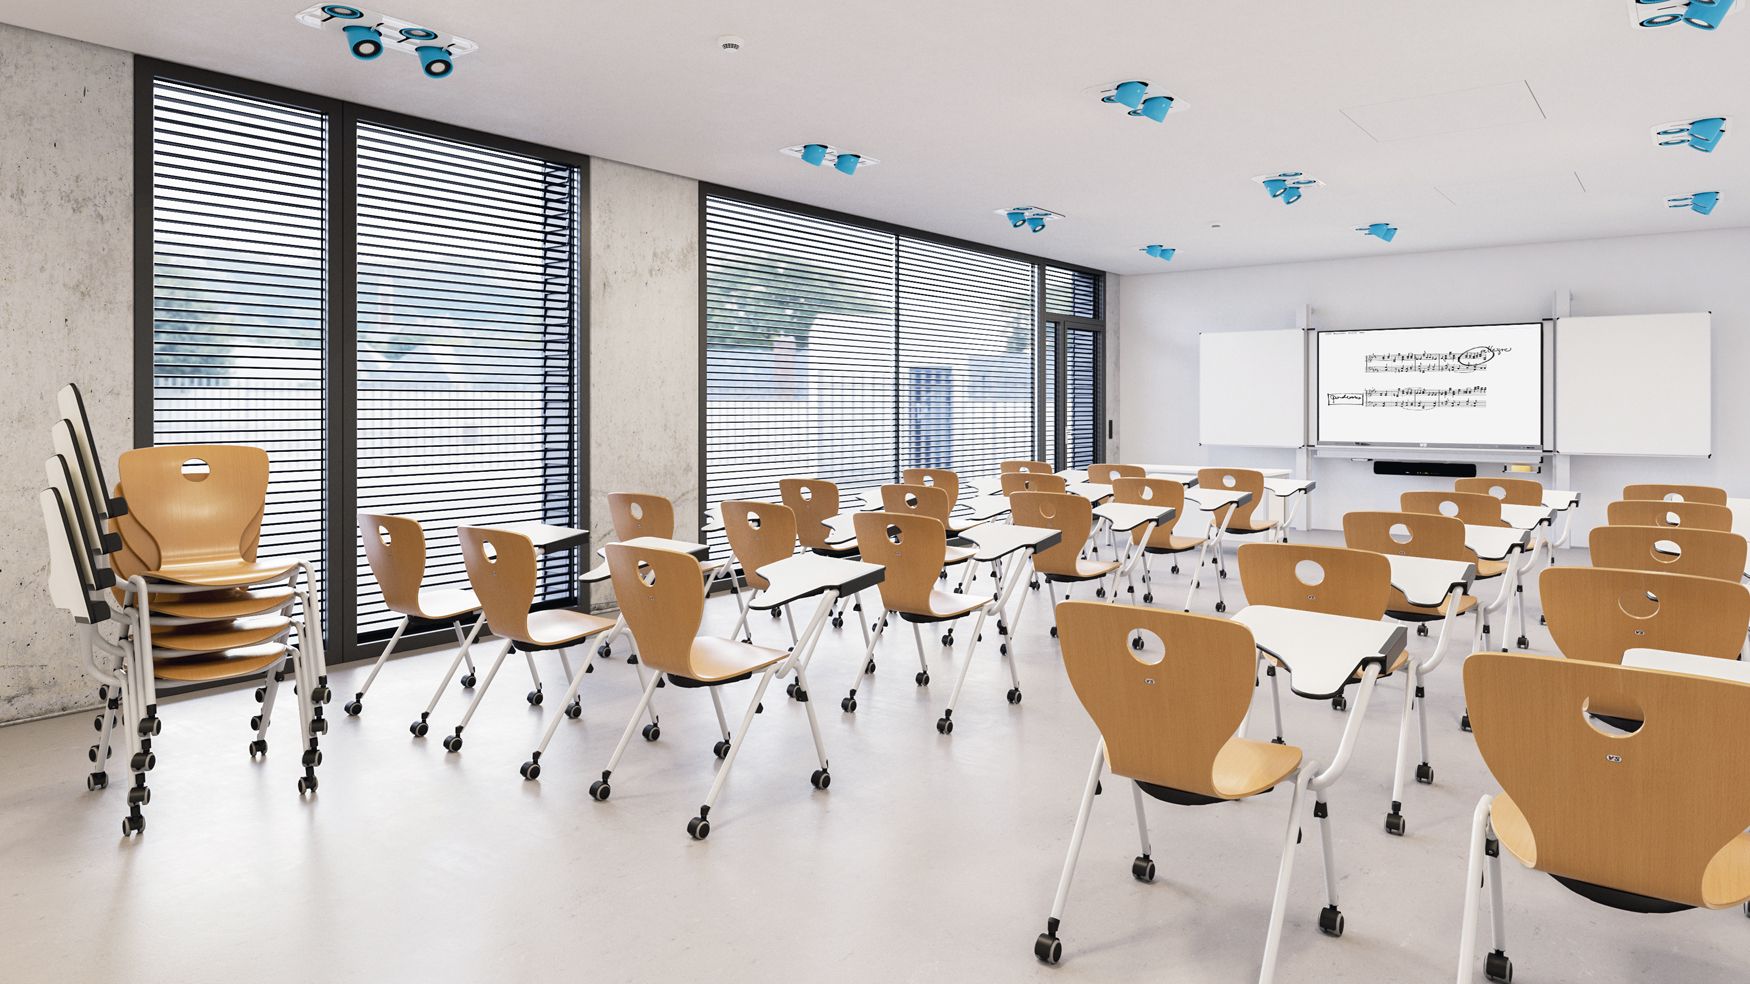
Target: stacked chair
177	571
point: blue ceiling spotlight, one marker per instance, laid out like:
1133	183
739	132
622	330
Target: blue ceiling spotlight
1017	217
814	154
1134	96
368	34
1154	108
1703	15
1704	134
817	154
1032	217
1701	203
847	163
1126	94
435	61
365	42
1379	230
1160	252
1287	186
1706	14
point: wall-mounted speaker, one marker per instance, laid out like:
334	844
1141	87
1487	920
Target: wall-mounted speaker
1426	469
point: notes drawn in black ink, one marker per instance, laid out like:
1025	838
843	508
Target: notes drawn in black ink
1473	359
1414	398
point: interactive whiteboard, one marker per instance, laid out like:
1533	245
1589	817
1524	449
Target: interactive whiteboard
1635	384
1462	387
1251	388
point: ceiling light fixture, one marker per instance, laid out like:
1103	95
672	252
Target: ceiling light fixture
1379	230
1704	134
1701	203
368	34
1703	15
1031	216
1287	186
817	154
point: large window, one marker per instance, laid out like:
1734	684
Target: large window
390	308
842	350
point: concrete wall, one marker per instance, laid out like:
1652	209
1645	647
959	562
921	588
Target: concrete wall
1162	315
66	314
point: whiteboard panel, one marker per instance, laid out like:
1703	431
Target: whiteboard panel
1636	384
1251	388
1465	386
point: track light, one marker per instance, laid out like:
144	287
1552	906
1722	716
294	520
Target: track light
1017	218
368	34
846	163
365	43
1275	186
1290	195
1155	108
1029	216
1160	252
1704	134
1701	203
1126	94
1706	14
817	154
1036	223
1287	186
434	60
1379	230
813	154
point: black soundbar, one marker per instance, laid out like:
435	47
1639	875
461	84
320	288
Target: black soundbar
1429	469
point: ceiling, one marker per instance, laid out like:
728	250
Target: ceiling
1527	121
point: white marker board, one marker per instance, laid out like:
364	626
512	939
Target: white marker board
1637	384
1459	387
1251	388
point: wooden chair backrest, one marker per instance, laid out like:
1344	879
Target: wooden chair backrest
1034	467
1152	492
759	533
198	516
1647	812
1470	508
505	581
1513	491
1430	535
1105	474
814	501
941	478
1033	482
1234	479
1655	512
1676	493
637	514
1356	583
912	547
1598	613
662	597
1673	550
395	548
1066	512
1162	722
925	500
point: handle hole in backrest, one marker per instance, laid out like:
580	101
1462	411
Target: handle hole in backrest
1498	491
1625	718
894	536
196	470
1672	519
1150	653
1310	573
753	521
1400	533
384	535
637	511
1666	551
489	551
1673	497
1148	493
1638	604
1229	481
911	500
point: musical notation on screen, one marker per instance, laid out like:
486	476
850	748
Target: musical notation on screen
1414	397
1473	359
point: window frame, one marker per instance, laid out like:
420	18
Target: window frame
341	568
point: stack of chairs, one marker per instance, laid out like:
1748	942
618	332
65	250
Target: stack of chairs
176	570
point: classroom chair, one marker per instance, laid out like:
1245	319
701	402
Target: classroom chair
1469	508
1171	727
1353	584
932	501
646	514
1512	491
1672	550
1676	493
941	478
1033	482
1424	535
1657	512
912	547
1073	517
1034	467
759	533
395	549
1162	540
1108	474
662	598
505	572
1650	821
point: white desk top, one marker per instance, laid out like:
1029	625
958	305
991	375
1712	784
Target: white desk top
1494	542
545	538
1322	652
1073	475
1285	487
1426	581
986	484
1209	500
841	528
997	540
806	574
1125	517
1707	666
1093	491
865	500
1527	517
981	507
1561	500
698	550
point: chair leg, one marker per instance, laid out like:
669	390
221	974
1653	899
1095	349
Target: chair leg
419	727
535	696
866	665
1284	873
1424	771
1143	868
1481	836
573	709
1330	917
699	827
453	742
1394	818
1275	701
722	747
357	705
741	629
790	619
1048	948
917	636
945	724
857	607
600	790
1497	967
465	640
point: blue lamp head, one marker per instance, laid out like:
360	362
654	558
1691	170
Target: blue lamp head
846	163
1705	134
1703	202
1127	94
1160	252
1017	218
1036	223
434	60
1706	14
1290	195
340	11
365	43
1155	108
813	154
1381	230
419	34
1275	186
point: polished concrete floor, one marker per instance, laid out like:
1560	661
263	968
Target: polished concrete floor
930	858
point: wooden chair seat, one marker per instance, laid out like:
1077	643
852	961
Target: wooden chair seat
945	605
958	555
444	604
1250	527
224	573
717	660
1174	544
1400	606
1086	570
229	665
563	627
220	636
1490	568
1245	767
218	605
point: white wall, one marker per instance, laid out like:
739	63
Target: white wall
1162	314
66	311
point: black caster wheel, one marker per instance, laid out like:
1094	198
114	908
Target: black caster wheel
848	705
319	726
535	697
255	722
353	707
948	639
600	791
1143	868
651	732
1422	630
96	781
944	726
1497	967
1747	910
604	650
1523	642
530	770
1014	695
260	694
820	779
313	758
1033	584
1425	774
1223	575
142	762
838	621
1221	606
869	667
1054	632
1339	703
1048	948
306	784
721	749
1175	569
777	613
1464	722
922	678
574	710
91	754
258	747
468	682
1148	597
418	729
322	694
97	723
133	825
1002	628
452	743
1331	921
699	828
1003	650
1099	592
1278	741
760	708
1136	643
1394	824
